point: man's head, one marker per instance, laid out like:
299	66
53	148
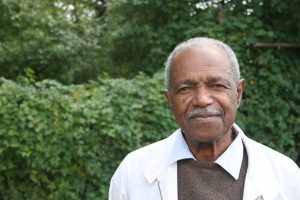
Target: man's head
204	89
198	42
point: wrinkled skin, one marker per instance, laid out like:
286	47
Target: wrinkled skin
204	98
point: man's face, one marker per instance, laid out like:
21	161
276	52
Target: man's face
203	94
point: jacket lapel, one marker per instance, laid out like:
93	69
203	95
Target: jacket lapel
259	184
168	183
260	181
161	174
251	192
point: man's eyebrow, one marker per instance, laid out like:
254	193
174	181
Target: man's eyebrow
186	82
214	79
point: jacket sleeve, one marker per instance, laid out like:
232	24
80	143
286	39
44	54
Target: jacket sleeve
293	181
117	188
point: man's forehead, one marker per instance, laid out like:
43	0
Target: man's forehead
208	78
201	73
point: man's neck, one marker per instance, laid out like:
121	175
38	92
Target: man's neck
211	151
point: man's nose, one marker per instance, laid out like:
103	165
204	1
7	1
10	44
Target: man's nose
202	97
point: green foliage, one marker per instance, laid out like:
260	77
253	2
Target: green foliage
59	142
51	39
76	41
141	33
270	109
65	142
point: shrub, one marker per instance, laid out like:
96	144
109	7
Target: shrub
65	142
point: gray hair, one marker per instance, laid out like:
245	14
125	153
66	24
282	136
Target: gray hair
198	42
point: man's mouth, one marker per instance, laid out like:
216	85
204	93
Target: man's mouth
204	115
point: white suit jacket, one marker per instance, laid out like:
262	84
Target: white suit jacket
145	174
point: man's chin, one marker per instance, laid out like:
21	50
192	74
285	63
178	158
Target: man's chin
208	131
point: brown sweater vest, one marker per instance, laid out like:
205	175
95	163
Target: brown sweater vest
209	181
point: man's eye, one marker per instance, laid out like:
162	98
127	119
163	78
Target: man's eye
218	86
184	89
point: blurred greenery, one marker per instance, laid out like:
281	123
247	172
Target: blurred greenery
64	142
55	39
82	83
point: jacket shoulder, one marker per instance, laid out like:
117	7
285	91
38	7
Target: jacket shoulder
130	174
283	167
144	153
269	153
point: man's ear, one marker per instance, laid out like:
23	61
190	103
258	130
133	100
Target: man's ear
240	91
167	96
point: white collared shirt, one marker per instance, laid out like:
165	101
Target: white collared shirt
151	172
230	160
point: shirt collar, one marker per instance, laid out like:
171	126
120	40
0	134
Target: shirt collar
230	160
180	149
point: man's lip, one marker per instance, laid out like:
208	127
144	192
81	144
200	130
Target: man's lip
203	116
204	119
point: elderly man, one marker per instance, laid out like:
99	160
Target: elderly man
209	157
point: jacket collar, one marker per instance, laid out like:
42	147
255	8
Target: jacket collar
160	158
234	154
260	182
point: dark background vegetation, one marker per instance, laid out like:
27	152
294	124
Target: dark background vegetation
82	83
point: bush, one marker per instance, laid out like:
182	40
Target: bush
65	142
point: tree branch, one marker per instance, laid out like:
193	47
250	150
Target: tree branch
277	44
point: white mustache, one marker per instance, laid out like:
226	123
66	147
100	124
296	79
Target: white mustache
203	112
